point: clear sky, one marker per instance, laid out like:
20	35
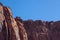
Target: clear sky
47	10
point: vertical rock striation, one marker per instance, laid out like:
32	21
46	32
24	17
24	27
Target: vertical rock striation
16	29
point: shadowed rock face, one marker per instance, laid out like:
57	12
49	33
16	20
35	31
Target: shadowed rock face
16	29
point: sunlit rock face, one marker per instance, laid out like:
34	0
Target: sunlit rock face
17	29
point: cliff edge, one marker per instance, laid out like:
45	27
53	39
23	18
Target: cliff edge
16	29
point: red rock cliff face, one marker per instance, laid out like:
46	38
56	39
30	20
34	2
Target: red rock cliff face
16	29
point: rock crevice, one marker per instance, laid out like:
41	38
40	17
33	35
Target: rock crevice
16	29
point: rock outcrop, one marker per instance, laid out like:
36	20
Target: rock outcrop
17	29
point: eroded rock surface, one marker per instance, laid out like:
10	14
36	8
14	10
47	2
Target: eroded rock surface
17	29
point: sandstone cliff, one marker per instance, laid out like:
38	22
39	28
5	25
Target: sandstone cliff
16	29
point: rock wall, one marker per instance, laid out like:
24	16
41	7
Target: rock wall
17	29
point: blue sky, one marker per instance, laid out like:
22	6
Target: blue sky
47	10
